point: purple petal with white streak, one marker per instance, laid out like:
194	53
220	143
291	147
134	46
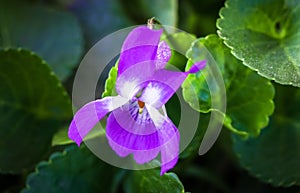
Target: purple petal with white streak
133	121
126	139
140	45
169	139
90	114
164	83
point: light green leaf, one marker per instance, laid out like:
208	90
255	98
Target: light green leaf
109	89
150	181
33	105
249	96
55	35
274	156
265	35
75	170
61	137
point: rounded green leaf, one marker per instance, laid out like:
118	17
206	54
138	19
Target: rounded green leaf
249	96
33	105
265	35
274	156
150	181
55	35
75	170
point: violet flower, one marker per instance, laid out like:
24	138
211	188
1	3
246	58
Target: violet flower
138	123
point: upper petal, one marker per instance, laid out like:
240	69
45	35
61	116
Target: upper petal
140	45
90	114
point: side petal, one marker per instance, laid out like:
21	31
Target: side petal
164	83
90	114
140	45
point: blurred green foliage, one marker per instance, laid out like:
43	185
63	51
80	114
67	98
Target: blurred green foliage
42	42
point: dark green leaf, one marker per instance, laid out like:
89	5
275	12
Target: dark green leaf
75	170
142	10
265	35
274	156
33	105
165	11
249	96
99	18
150	181
53	34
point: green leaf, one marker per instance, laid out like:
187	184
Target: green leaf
75	170
249	96
166	12
109	88
265	35
150	181
33	105
274	156
53	34
100	18
193	148
61	137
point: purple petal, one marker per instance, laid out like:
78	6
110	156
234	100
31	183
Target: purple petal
169	139
163	55
164	83
169	150
134	78
131	132
197	66
133	121
140	45
140	156
143	147
121	136
90	114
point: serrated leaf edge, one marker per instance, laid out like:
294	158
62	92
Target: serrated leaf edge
40	166
233	52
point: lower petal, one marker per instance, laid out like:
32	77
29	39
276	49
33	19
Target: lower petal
143	147
125	138
90	114
169	139
140	156
169	153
